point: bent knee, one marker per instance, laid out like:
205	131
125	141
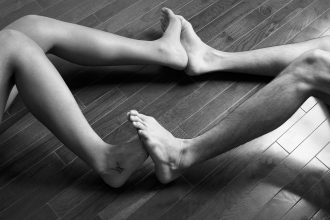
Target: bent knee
316	55
14	44
28	22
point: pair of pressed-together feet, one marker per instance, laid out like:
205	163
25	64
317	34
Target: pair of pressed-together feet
117	162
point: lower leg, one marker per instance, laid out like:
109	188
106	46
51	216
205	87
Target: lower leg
265	111
48	98
266	61
87	46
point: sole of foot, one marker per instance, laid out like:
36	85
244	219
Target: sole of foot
164	149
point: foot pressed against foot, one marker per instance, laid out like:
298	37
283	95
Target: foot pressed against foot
165	150
175	55
116	163
200	55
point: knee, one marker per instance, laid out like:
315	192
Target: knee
315	57
311	68
15	44
33	23
306	64
38	28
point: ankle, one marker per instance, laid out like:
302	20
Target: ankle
219	60
187	156
99	157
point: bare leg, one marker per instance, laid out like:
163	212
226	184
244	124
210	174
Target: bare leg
49	99
47	96
87	46
308	75
266	61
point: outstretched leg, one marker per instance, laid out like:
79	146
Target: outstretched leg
266	61
87	46
46	95
265	111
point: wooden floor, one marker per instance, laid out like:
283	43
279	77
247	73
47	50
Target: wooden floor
284	174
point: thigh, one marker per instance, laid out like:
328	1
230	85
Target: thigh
6	74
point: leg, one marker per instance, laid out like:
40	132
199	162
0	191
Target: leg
267	61
87	46
48	98
306	76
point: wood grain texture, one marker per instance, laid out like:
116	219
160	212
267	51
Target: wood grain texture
284	173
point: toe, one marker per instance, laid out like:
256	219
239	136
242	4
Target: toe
144	117
142	134
133	112
134	118
168	11
139	125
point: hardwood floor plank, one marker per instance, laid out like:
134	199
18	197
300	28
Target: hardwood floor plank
213	11
269	26
162	201
99	196
55	180
224	197
113	8
321	215
155	108
129	14
35	173
79	13
295	25
194	102
74	194
66	155
279	177
249	150
309	104
314	199
194	8
291	139
225	20
19	164
105	82
117	117
47	3
315	29
215	108
133	29
324	156
242	99
90	21
60	8
243	26
31	180
7	6
30	8
44	212
21	141
289	195
16	127
44	146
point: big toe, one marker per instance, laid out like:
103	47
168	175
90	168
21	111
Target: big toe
168	12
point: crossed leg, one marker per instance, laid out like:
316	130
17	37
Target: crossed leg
23	63
301	76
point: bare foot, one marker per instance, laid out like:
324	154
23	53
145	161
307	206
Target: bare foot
200	55
117	162
164	149
174	54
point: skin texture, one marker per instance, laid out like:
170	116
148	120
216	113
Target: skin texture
48	97
302	70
